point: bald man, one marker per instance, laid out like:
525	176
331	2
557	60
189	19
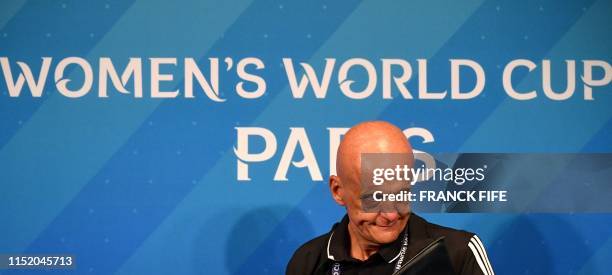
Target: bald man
379	239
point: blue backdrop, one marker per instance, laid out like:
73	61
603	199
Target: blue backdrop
149	186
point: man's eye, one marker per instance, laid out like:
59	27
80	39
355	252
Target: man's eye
369	202
366	196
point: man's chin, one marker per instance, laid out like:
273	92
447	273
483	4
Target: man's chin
384	235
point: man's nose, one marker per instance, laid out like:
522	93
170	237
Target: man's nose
390	216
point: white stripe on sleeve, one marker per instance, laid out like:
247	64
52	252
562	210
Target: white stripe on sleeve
478	259
484	253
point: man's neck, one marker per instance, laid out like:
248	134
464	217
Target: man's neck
361	249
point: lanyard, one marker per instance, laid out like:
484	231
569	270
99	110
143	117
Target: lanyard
336	268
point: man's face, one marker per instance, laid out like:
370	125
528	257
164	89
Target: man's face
377	137
381	226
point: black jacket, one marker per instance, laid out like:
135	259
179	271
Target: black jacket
466	251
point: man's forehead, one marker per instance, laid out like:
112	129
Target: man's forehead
366	166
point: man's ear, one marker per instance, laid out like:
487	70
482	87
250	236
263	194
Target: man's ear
336	189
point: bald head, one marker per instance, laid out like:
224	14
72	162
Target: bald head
370	225
368	137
